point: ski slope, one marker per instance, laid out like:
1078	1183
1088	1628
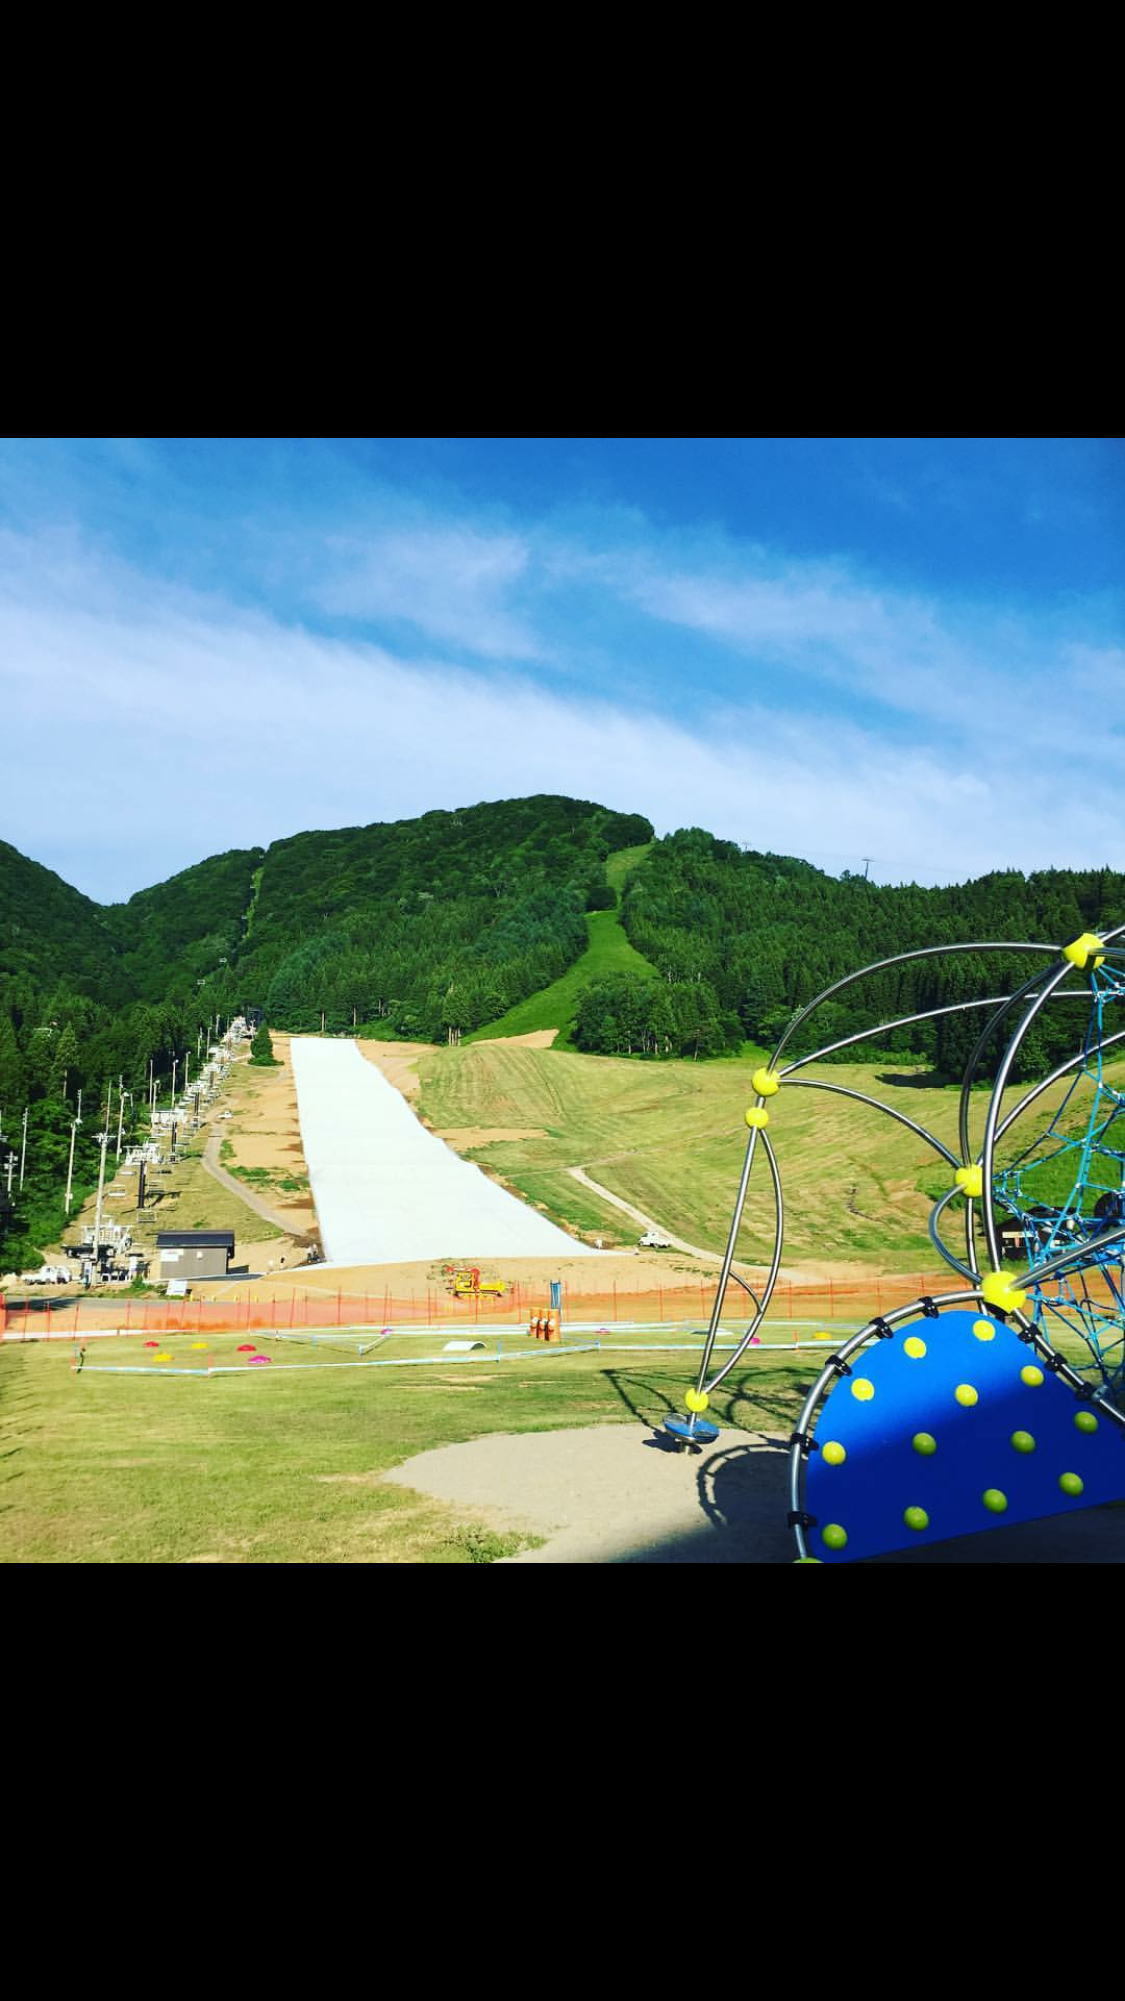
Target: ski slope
389	1192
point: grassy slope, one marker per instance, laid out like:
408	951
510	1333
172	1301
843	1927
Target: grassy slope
608	951
670	1138
619	867
271	1467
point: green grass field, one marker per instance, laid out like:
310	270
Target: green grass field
669	1137
285	1465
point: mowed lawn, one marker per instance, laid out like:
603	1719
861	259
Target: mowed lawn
273	1465
670	1138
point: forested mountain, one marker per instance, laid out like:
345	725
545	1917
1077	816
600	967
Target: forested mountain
422	926
761	934
49	932
443	923
184	929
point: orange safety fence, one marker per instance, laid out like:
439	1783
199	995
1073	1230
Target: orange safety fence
432	1307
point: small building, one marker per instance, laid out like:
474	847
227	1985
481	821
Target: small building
194	1254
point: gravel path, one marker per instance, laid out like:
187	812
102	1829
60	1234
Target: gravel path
252	1199
612	1493
607	1195
386	1190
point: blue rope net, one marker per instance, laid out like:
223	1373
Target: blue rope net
1067	1187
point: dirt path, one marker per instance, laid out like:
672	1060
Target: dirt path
612	1493
678	1243
252	1199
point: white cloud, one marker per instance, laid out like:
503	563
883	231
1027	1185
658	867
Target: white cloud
147	724
452	583
146	728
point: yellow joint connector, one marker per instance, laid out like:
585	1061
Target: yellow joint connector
757	1115
697	1400
998	1292
970	1180
1079	950
766	1082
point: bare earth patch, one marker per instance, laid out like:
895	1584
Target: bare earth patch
466	1136
398	1062
610	1493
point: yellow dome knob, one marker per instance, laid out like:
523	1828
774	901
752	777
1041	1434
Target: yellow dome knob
1079	950
765	1082
970	1180
998	1292
757	1115
697	1400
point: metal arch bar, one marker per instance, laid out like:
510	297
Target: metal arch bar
966	1085
728	1258
845	1091
931	1014
989	1146
1049	992
902	959
775	1265
982	1042
1072	1063
1074	1253
1036	1339
966	1271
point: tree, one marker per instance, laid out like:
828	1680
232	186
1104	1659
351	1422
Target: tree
261	1049
11	1071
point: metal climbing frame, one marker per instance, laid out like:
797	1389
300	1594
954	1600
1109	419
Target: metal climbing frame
1057	1279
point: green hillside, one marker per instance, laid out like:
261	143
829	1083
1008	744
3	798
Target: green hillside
607	951
492	920
50	932
187	926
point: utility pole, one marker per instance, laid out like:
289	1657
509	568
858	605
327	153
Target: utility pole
11	1170
74	1125
104	1138
322	1021
175	1067
122	1095
866	866
23	1148
187	1070
78	1113
198	1044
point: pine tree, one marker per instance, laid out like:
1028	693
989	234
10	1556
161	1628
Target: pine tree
261	1049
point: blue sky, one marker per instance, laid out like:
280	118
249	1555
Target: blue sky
908	651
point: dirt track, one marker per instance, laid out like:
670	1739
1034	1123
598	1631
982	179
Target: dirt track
638	1215
244	1193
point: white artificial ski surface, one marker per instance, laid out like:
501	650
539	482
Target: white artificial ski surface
389	1192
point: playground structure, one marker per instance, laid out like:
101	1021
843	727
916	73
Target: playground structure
976	1414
